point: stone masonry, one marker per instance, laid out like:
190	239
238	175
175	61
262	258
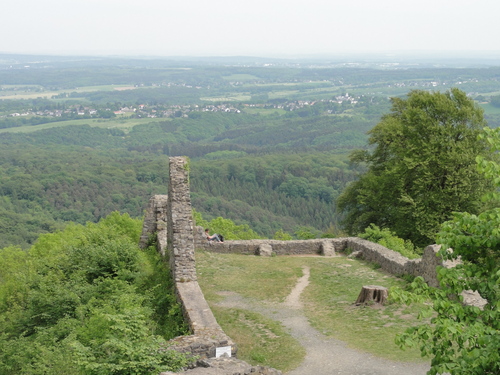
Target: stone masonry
169	219
180	238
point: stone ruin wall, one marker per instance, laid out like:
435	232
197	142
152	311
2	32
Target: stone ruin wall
389	260
168	222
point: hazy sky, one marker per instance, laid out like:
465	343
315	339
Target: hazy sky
244	27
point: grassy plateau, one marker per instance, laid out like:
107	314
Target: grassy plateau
328	304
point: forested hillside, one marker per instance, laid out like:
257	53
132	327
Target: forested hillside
83	173
268	140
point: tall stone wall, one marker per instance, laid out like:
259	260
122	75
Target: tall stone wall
180	238
169	219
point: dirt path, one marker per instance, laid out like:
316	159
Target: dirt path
325	356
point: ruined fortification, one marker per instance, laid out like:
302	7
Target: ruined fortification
169	221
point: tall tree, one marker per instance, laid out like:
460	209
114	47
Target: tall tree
422	167
464	338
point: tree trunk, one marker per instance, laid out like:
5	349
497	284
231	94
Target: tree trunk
372	294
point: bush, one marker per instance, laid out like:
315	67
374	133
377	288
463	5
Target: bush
388	239
87	300
282	236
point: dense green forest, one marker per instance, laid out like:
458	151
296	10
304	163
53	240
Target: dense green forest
268	139
95	171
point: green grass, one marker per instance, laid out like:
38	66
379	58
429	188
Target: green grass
123	123
329	299
264	111
11	94
335	284
282	94
229	98
260	340
259	278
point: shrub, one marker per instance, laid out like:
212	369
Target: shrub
388	239
87	300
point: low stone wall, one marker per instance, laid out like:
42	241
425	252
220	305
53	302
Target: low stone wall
388	260
269	247
227	366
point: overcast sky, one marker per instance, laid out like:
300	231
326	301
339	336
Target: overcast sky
267	28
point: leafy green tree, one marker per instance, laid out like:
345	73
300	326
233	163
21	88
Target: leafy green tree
421	169
232	231
282	236
464	338
306	233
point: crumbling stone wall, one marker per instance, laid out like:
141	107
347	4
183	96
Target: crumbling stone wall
180	238
268	247
389	260
169	218
154	227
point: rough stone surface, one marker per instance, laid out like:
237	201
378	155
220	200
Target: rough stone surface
155	223
389	260
180	237
327	248
253	247
169	218
227	366
265	250
427	265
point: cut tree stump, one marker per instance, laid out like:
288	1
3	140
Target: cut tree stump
372	294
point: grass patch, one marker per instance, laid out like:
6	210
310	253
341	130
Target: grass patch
282	94
30	94
329	299
240	77
260	278
261	341
334	287
265	111
122	123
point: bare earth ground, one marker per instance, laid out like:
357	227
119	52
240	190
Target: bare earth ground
325	356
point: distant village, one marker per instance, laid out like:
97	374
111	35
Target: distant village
164	111
172	111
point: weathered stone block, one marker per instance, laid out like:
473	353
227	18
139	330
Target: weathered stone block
265	250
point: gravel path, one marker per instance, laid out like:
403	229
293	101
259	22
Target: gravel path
324	355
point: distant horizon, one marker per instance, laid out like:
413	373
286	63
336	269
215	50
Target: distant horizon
257	28
463	54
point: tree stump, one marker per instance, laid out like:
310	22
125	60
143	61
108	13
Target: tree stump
372	294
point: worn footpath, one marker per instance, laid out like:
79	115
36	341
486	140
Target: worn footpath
324	355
